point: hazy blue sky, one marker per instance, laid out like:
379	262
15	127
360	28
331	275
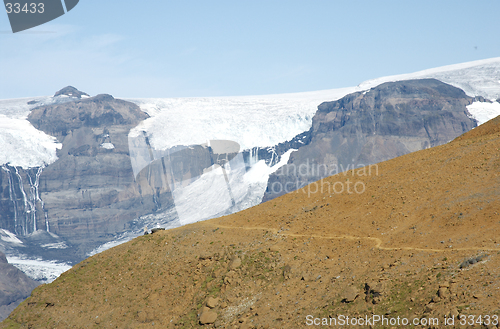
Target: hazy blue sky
224	48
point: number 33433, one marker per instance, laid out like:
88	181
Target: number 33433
31	8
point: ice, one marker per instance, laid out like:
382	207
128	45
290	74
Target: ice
248	121
484	111
38	269
22	145
57	245
260	121
477	78
107	146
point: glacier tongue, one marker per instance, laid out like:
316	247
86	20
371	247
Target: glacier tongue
38	269
22	145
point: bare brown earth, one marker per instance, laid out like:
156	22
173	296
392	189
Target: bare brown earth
395	250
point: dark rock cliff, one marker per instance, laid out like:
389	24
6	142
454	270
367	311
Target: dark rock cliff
89	191
363	128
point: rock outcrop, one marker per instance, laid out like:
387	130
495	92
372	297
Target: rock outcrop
364	128
89	191
15	287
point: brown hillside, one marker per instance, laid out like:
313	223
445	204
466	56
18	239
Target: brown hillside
421	241
488	128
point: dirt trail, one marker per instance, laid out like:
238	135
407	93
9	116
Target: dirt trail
378	242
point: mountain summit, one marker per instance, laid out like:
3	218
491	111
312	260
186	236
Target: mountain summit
71	91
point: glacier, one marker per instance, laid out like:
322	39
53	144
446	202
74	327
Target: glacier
251	121
39	270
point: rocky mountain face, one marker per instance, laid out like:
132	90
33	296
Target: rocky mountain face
364	128
89	191
15	286
92	191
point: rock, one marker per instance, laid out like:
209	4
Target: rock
472	261
92	192
349	294
287	272
102	110
71	91
208	317
443	292
274	248
212	302
308	277
454	312
429	307
15	286
235	263
374	291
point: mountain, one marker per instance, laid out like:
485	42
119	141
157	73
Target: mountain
15	287
71	92
363	128
80	174
414	238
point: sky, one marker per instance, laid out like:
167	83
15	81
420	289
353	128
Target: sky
143	49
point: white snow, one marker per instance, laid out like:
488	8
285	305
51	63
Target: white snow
10	237
56	245
476	78
38	269
248	121
107	146
259	173
22	145
204	198
483	111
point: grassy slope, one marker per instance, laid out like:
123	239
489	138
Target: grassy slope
419	218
